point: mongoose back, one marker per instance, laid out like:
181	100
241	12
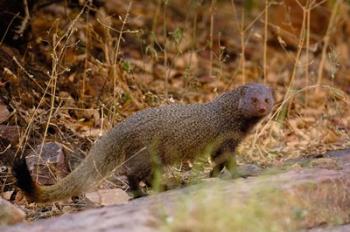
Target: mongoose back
171	133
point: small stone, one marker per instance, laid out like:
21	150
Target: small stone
326	163
108	197
48	165
7	195
9	213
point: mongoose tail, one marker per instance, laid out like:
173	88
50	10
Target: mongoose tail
24	180
63	189
104	156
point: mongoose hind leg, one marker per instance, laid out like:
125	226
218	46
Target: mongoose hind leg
147	168
134	186
149	178
139	168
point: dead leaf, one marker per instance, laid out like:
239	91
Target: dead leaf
10	133
331	137
4	112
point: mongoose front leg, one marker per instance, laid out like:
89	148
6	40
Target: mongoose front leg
224	156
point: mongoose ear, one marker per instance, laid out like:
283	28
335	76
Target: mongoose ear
273	92
242	91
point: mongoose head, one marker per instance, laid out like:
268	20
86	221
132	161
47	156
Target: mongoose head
256	100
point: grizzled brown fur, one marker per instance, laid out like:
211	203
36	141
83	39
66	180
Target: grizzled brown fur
171	133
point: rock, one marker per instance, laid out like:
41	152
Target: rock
341	228
314	196
49	165
108	197
248	170
10	214
6	195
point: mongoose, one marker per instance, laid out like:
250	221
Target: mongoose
171	133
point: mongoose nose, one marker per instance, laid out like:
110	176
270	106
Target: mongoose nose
262	110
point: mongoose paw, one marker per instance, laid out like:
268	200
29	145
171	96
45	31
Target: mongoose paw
241	171
138	194
247	170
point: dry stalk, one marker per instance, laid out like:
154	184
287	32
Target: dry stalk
265	38
242	36
165	53
308	23
211	37
57	55
326	40
286	108
117	47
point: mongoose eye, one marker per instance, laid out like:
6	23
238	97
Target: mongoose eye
254	100
267	100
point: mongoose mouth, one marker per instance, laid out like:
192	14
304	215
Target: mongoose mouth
264	111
